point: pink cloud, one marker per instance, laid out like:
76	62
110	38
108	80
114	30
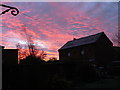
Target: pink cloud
53	28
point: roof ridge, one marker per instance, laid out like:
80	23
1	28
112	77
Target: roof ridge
81	41
89	36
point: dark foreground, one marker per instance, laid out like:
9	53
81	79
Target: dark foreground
57	75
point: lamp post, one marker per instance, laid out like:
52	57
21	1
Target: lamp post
14	10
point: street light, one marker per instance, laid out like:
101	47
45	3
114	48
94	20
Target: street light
14	11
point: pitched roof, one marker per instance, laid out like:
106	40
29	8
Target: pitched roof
82	41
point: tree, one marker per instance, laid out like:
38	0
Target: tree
53	58
116	38
22	53
29	49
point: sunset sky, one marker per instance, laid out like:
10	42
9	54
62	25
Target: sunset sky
52	24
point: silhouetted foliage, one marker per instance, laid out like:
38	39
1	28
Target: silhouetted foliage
22	52
31	60
29	49
52	60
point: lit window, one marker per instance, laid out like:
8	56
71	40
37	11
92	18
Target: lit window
69	54
82	52
92	60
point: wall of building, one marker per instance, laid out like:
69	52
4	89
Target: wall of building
104	51
80	53
10	56
116	53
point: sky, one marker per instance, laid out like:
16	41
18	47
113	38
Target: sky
51	24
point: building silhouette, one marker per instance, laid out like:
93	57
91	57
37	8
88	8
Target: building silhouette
81	60
9	67
9	56
116	53
96	49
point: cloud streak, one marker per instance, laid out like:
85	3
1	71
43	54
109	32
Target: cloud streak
52	24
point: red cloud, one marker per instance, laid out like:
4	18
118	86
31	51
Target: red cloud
51	29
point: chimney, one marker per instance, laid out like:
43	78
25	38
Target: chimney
74	38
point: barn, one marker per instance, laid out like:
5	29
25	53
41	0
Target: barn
95	49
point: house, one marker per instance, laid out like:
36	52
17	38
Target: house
95	49
115	66
9	56
9	67
116	53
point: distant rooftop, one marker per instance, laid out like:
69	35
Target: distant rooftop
2	46
82	41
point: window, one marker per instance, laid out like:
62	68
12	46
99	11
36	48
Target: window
69	54
82	52
91	60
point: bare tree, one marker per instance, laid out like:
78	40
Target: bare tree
116	38
29	49
22	53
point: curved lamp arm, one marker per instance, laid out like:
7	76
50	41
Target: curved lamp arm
14	11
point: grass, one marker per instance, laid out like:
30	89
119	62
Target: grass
103	83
